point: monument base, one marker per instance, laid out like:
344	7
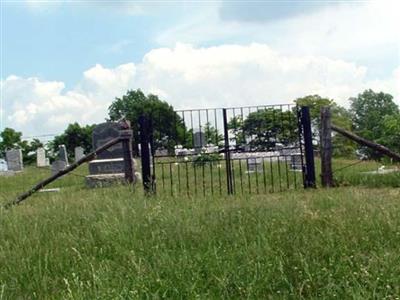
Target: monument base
108	166
104	180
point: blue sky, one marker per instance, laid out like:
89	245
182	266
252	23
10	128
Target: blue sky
60	57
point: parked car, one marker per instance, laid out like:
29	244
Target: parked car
3	165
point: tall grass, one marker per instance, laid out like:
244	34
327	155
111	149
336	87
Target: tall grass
115	243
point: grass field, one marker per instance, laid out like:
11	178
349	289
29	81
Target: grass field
115	243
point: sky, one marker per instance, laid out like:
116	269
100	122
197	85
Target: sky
66	61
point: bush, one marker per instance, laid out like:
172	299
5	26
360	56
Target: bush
205	158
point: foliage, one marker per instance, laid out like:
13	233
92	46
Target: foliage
74	136
369	111
340	117
270	126
168	127
11	138
235	125
205	158
391	128
212	135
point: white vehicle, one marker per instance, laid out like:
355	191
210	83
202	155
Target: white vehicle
3	165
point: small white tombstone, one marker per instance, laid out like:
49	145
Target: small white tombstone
41	160
79	153
161	152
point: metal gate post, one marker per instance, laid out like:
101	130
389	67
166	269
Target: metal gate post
229	184
145	153
309	181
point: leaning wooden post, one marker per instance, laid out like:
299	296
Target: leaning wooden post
68	169
364	142
326	147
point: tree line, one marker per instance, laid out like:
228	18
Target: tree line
372	115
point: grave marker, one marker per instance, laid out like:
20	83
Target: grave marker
109	166
199	140
62	154
41	160
57	166
79	153
254	164
14	160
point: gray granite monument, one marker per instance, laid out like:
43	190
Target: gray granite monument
108	167
62	153
14	160
57	166
296	162
254	164
199	141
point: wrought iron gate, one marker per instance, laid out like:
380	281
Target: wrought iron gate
249	149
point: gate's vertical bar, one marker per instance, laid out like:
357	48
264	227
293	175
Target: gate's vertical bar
309	181
227	154
145	153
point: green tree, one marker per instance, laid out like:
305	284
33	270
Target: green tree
270	126
369	111
168	127
340	117
10	138
235	125
391	129
212	135
74	136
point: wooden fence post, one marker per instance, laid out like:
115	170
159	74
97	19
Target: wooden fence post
326	147
126	138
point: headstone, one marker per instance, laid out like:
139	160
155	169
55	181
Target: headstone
212	149
199	140
41	160
104	133
62	154
57	166
108	168
14	160
161	152
79	153
296	162
254	164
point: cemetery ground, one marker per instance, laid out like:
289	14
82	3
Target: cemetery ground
117	243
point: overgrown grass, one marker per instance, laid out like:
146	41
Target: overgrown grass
356	173
114	243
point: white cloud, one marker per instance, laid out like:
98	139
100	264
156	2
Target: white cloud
357	31
187	77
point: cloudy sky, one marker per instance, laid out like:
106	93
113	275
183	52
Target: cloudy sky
65	61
